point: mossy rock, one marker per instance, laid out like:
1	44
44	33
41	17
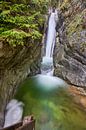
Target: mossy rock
75	25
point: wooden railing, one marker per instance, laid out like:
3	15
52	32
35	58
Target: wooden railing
27	124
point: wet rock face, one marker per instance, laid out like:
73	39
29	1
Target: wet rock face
16	63
70	50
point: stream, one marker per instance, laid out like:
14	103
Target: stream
46	97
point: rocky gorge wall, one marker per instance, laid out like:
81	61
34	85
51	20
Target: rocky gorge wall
21	29
15	65
70	50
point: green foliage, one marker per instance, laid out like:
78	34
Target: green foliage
21	20
18	8
14	37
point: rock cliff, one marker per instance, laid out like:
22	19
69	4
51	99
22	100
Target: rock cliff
15	65
21	29
70	50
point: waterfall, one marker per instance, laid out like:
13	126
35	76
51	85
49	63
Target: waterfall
45	80
51	35
47	61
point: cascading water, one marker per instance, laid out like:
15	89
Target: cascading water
46	68
46	78
47	61
47	97
51	34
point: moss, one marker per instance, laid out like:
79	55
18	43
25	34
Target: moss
75	25
83	47
65	4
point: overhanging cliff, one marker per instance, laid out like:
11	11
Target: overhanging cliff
21	29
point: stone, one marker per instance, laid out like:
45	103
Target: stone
15	65
70	51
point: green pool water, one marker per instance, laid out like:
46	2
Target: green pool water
53	107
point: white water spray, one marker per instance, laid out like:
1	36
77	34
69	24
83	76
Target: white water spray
14	113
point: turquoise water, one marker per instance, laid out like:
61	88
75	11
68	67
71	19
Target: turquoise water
52	106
